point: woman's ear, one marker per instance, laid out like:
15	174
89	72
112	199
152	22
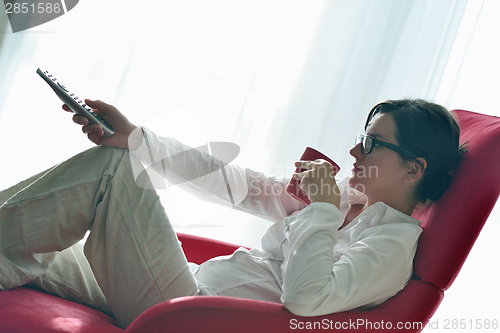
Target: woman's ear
416	169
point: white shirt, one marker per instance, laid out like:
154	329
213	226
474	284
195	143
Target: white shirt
305	262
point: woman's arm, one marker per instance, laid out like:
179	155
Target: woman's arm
211	179
197	172
374	268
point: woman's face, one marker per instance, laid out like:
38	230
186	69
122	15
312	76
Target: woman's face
379	174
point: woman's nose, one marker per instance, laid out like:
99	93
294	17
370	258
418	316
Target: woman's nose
356	151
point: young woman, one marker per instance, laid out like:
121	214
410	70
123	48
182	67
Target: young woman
352	247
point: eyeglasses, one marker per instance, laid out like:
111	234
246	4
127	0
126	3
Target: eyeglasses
368	142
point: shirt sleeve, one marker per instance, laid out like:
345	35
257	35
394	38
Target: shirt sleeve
374	268
208	177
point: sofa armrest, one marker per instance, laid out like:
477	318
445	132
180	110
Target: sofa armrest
413	307
200	249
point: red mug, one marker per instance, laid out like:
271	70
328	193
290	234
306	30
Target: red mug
310	154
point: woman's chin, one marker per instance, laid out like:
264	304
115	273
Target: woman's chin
353	180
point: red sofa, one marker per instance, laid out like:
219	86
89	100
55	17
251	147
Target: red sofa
450	225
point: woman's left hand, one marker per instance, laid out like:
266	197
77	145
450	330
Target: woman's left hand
317	179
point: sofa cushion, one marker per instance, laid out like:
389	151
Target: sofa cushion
24	309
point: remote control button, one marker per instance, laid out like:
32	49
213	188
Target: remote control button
72	94
50	75
63	86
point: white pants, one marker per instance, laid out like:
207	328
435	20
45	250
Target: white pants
133	253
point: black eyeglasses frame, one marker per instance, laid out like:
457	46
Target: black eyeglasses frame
401	151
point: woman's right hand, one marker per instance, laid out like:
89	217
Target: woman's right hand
121	125
317	179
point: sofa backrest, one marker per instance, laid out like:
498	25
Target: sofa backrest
452	224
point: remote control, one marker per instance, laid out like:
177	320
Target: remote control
75	104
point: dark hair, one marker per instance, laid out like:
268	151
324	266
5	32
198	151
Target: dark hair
430	131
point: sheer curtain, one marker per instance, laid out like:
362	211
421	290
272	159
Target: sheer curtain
364	52
200	71
270	76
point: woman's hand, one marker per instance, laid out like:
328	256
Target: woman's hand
317	179
121	125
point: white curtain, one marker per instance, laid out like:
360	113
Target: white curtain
200	71
364	52
271	76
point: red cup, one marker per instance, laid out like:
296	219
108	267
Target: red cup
310	154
